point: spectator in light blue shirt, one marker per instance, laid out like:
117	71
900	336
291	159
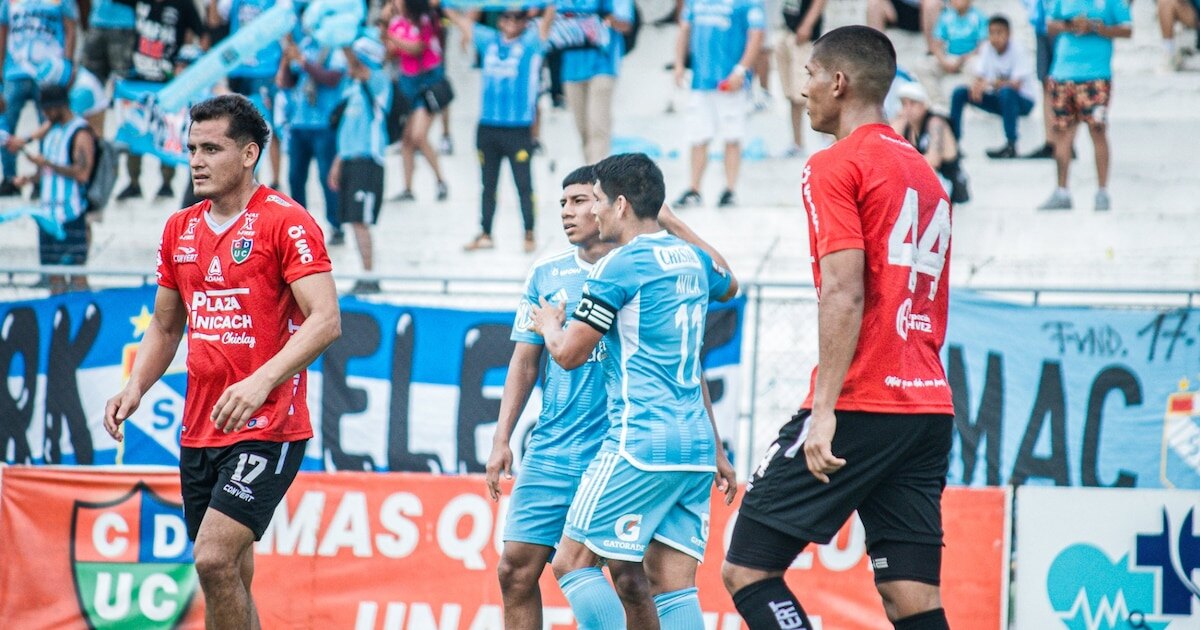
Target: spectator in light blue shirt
723	39
589	74
510	57
1081	82
34	32
315	78
357	173
960	32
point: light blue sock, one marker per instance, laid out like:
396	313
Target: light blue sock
593	600
679	610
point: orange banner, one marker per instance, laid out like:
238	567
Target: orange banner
401	551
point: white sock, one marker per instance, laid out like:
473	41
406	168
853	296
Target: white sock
1062	191
1169	46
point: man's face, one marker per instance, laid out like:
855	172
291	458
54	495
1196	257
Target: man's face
511	24
218	162
913	111
57	113
998	37
578	222
606	215
822	106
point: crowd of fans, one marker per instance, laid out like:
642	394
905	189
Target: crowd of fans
390	87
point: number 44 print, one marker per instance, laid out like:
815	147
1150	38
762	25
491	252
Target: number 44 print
921	253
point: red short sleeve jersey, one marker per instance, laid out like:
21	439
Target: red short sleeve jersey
873	191
235	281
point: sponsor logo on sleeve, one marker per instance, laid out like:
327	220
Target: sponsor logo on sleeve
299	239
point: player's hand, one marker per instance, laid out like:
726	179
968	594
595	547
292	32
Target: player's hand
118	409
679	70
726	477
499	461
335	175
818	451
238	403
548	316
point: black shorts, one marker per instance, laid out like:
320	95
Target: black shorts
72	250
908	16
244	481
1045	56
360	191
894	475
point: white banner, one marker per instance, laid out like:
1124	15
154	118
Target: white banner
1103	559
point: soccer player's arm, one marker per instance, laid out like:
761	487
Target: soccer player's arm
840	248
606	290
309	277
677	228
157	348
726	477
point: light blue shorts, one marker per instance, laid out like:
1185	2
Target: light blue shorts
538	507
619	509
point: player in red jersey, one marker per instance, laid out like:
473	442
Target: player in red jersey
246	270
879	233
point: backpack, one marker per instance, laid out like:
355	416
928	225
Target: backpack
397	115
103	178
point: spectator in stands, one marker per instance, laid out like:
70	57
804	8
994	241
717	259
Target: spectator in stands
722	42
962	30
932	135
254	79
914	16
32	32
411	37
314	76
589	74
357	173
1037	10
108	45
1081	83
64	167
803	20
1171	12
162	27
510	58
1003	85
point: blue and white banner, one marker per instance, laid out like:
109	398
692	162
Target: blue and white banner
1073	396
404	389
1107	559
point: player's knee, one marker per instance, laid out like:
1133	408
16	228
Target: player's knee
907	576
631	585
737	577
214	565
515	576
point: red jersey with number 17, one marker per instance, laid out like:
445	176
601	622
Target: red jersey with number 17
873	191
235	281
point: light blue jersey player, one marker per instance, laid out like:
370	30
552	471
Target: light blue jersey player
645	497
571	425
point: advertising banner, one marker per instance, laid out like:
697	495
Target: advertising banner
1073	396
395	551
1103	559
404	389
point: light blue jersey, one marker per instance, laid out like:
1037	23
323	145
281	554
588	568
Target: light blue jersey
107	14
62	197
266	61
1085	57
962	33
511	71
650	299
574	418
363	129
36	33
586	63
313	103
720	29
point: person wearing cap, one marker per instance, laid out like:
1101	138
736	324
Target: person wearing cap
932	135
31	33
64	168
357	173
511	63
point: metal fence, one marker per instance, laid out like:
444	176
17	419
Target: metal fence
779	330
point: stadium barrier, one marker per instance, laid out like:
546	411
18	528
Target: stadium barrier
107	548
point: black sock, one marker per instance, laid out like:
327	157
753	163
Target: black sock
769	605
929	620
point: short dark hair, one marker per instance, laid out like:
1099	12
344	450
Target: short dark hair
635	177
581	175
1001	20
863	54
246	124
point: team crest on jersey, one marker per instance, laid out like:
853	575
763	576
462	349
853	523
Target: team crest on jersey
240	249
132	561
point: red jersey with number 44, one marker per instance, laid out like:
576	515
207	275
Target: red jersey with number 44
234	279
873	191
